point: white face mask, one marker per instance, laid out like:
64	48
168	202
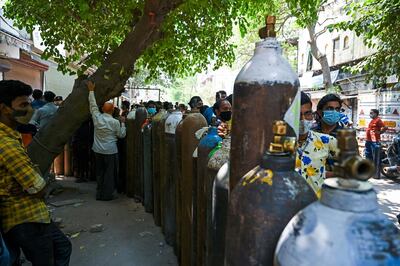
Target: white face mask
305	126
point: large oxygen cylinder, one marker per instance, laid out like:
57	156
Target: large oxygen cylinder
156	166
147	169
141	116
193	122
163	167
170	181
206	145
345	227
67	160
130	157
263	92
178	154
59	164
217	204
263	202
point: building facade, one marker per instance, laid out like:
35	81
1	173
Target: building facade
343	49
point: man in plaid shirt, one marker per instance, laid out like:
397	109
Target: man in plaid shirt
25	220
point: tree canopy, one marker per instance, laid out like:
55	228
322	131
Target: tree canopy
195	34
377	21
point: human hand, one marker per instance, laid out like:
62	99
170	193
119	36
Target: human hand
223	130
90	85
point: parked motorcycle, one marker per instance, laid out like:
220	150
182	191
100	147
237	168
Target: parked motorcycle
388	168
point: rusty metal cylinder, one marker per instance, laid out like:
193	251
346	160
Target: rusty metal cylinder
147	169
345	227
163	168
217	204
263	202
206	145
141	116
170	181
67	160
59	164
263	92
178	195
130	157
193	122
156	166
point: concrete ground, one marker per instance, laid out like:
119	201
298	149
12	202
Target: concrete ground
388	197
129	237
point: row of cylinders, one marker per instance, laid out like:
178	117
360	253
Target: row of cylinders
240	205
186	186
175	179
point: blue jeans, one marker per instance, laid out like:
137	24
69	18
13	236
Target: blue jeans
373	152
43	244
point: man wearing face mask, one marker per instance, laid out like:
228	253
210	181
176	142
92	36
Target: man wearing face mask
25	219
313	149
151	108
328	110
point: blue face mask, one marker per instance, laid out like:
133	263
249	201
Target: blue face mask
152	110
331	117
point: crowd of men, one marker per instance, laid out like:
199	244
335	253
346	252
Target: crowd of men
25	220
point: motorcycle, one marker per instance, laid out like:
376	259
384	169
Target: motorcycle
387	168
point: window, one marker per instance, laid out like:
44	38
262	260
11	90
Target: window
336	44
346	43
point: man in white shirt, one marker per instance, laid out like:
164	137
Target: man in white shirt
107	130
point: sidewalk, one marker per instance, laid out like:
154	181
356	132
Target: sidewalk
129	236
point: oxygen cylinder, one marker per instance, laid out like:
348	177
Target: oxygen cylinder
170	185
263	202
178	154
193	122
141	116
206	145
264	91
217	204
163	168
147	169
59	164
345	227
67	160
156	166
130	157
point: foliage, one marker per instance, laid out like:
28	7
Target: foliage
197	33
377	21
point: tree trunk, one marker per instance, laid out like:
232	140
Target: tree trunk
321	58
109	78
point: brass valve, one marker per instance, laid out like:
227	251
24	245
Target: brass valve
269	29
281	143
351	165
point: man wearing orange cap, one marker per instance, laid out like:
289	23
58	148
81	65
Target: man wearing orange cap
107	130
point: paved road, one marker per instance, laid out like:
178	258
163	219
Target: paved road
129	238
388	197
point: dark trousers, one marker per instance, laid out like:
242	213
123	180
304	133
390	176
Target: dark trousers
106	175
42	244
373	152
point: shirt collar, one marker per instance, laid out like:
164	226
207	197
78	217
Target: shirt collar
7	131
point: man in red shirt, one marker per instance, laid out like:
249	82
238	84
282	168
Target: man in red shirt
375	128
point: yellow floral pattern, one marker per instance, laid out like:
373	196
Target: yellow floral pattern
312	156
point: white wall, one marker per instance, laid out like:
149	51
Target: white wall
333	13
